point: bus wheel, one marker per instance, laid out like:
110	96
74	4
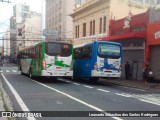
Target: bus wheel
94	79
30	74
21	71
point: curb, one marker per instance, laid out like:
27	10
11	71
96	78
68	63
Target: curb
134	86
5	102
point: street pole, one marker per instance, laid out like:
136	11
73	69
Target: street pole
42	18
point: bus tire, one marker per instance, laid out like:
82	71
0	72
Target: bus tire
30	73
21	70
94	79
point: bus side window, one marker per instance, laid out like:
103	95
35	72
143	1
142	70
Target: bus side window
37	52
40	52
78	53
87	52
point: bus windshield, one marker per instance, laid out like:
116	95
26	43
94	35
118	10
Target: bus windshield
61	49
108	50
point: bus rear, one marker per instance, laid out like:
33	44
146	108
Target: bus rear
57	59
108	63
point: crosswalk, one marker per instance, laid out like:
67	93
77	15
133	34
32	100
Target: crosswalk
9	71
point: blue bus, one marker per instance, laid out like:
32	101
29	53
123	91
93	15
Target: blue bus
98	59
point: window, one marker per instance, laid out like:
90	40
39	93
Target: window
83	52
90	27
84	29
137	29
118	32
100	25
93	27
109	50
37	51
78	31
104	25
58	49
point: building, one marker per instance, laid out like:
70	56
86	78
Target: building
20	11
153	44
58	19
31	29
91	19
6	43
131	31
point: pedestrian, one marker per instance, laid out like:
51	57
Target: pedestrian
127	70
145	74
150	75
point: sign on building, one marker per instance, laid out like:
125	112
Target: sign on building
157	35
48	32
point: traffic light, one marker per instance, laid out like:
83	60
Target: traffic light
19	32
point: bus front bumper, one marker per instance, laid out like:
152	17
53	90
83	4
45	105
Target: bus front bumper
57	73
105	74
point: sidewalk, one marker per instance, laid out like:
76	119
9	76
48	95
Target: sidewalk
5	103
155	87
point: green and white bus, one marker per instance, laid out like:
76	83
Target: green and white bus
47	59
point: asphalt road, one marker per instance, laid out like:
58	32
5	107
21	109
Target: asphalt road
68	95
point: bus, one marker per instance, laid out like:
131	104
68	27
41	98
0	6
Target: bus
48	59
97	59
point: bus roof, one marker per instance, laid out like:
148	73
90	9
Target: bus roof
90	43
38	43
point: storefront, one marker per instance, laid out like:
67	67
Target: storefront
153	48
131	32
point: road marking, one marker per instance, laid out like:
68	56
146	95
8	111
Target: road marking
134	88
14	70
59	102
123	94
18	98
67	81
76	99
123	86
143	100
76	84
87	86
7	71
61	80
103	90
1	71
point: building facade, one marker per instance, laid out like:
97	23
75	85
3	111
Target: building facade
91	20
131	31
31	29
6	43
153	48
20	11
58	19
153	43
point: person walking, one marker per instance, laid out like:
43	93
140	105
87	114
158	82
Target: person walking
127	70
150	75
145	74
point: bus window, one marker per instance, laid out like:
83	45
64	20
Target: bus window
108	50
86	53
78	53
60	49
83	53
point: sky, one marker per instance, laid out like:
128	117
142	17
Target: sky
6	11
